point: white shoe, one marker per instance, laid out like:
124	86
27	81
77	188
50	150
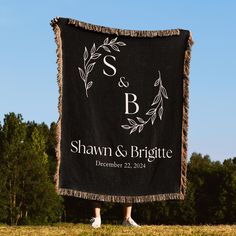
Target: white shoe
96	222
130	222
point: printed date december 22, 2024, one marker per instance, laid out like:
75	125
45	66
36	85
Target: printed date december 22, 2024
126	165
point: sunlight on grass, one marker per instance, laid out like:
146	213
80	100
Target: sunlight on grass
83	229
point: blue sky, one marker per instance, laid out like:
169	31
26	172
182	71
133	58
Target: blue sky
28	59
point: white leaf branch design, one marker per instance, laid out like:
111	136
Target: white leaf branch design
157	106
94	55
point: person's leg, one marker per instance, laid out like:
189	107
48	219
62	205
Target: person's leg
128	221
97	209
96	220
127	211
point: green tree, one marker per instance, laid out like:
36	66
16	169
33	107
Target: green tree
228	193
215	189
29	193
3	194
50	150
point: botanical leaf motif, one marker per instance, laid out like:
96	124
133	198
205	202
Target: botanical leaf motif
106	41
93	49
113	40
153	117
140	128
164	93
121	43
89	85
106	48
151	111
133	129
90	67
132	122
156	99
160	112
125	126
85	53
93	55
114	47
140	120
96	56
157	82
81	73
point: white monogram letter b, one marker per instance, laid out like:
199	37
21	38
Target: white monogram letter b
129	101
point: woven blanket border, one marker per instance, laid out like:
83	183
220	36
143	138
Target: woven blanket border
184	149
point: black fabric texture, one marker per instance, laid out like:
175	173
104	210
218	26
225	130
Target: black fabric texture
102	117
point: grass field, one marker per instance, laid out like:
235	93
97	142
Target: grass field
83	229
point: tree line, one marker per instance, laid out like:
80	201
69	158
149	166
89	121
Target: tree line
27	191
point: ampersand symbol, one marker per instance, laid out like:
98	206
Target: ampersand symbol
120	152
122	83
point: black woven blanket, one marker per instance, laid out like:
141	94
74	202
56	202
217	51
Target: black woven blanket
122	130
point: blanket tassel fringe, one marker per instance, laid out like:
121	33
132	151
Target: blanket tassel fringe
133	33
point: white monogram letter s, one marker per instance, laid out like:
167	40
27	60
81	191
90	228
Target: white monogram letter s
109	65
